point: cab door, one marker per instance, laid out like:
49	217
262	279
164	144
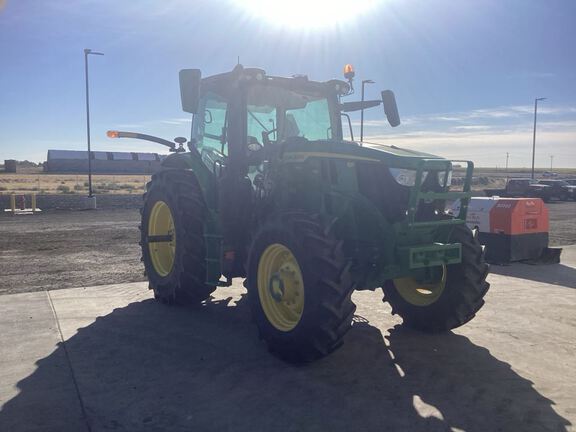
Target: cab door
210	131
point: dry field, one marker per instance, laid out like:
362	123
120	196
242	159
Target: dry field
34	180
42	183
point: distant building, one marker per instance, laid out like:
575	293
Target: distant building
10	166
73	161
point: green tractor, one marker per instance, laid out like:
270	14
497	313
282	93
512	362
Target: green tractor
271	192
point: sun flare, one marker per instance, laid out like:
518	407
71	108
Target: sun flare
306	14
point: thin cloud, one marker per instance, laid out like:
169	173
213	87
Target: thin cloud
485	135
502	112
488	148
539	75
129	126
472	127
175	121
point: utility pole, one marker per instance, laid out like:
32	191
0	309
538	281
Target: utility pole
88	51
534	135
507	156
551	159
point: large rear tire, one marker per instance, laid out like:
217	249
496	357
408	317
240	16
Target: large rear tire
299	287
172	238
453	300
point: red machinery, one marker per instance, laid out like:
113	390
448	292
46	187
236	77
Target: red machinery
512	229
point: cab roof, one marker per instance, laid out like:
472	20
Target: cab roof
298	82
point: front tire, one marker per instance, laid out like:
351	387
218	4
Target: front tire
300	287
454	300
172	238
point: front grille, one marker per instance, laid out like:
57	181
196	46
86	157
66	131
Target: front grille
377	184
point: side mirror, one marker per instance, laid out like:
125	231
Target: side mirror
190	89
390	108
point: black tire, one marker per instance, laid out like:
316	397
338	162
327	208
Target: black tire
463	293
328	309
185	283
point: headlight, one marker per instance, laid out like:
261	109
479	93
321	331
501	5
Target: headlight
406	177
441	175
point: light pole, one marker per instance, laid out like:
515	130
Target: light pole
86	52
362	110
534	135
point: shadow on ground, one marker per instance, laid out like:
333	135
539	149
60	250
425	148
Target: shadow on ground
150	367
555	274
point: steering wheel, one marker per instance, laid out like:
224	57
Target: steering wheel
266	136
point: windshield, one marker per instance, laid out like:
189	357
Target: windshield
276	113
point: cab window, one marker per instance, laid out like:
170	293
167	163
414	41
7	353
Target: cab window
276	113
213	125
261	124
311	121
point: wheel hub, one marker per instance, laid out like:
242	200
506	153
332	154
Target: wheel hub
422	291
276	287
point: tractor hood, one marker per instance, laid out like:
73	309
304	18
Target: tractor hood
296	150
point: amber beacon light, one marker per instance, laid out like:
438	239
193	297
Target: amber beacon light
349	72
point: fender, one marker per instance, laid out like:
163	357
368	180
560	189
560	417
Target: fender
212	228
206	178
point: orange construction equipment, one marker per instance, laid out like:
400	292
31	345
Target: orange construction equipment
512	229
515	216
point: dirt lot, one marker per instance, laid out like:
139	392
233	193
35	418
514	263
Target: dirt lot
562	223
63	249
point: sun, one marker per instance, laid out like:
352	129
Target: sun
306	14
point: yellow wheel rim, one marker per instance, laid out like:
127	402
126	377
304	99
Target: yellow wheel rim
161	238
280	287
418	293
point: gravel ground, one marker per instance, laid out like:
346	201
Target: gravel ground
562	223
63	249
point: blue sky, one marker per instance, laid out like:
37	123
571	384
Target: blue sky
465	73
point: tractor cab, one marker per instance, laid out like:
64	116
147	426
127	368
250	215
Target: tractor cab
244	117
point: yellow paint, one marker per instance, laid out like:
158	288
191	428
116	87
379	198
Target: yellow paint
280	287
160	223
418	293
